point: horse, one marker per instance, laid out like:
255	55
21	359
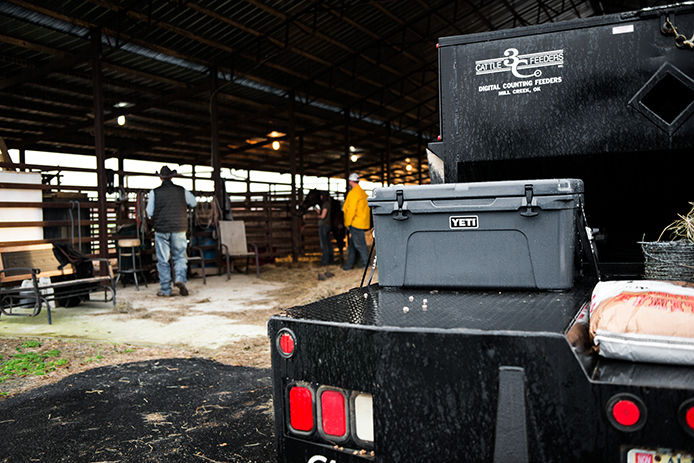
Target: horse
337	224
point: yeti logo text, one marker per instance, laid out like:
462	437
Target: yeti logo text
512	61
462	222
319	459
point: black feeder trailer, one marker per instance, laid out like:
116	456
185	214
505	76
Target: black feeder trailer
456	376
608	100
445	374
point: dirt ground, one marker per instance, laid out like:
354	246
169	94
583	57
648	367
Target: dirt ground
166	410
226	329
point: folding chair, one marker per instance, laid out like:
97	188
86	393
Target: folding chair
232	242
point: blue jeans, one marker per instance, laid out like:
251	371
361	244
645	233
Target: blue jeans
328	256
357	245
171	245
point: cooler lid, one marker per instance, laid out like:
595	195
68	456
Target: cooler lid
544	187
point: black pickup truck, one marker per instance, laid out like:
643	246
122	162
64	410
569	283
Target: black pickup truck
409	374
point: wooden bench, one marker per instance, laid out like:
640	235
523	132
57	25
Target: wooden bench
24	292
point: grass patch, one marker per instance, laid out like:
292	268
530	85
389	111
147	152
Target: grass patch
97	358
29	360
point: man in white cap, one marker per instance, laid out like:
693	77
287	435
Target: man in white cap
357	221
167	205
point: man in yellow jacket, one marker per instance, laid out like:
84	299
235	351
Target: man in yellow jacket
357	221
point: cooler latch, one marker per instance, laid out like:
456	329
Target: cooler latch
528	212
400	213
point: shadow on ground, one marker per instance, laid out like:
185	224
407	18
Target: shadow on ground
172	410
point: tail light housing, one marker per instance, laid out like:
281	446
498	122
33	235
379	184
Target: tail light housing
626	412
330	414
323	413
686	416
285	342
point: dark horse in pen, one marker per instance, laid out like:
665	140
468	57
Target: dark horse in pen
337	224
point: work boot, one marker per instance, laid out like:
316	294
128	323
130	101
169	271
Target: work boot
321	277
329	274
163	294
181	288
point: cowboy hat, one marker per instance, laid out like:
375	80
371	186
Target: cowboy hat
165	172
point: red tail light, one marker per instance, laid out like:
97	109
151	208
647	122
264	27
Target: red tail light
286	343
686	415
626	412
333	413
301	408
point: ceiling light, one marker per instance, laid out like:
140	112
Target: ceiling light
276	134
275	145
123	104
407	160
354	157
352	149
408	167
121	120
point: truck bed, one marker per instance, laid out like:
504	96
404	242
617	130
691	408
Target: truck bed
474	311
479	375
522	310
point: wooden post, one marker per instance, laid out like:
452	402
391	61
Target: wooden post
214	139
419	158
346	154
292	171
301	191
121	179
301	168
383	167
267	204
248	188
192	169
99	142
387	162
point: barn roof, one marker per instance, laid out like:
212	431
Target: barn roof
358	67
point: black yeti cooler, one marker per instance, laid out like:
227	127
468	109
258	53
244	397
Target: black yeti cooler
513	234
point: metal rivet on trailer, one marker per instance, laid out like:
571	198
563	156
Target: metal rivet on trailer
411	298
405	309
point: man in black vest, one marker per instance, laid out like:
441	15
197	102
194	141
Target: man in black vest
167	205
